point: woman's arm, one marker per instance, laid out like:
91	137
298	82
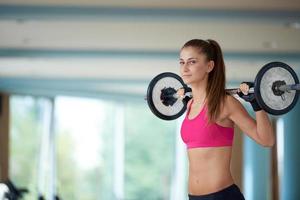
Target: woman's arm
260	130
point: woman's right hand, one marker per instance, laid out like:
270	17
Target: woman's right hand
180	92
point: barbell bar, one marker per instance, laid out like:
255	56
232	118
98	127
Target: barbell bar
276	89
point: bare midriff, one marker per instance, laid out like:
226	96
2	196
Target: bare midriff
209	169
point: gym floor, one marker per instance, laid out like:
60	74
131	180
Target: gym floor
73	77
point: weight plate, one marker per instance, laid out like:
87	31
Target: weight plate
154	91
275	103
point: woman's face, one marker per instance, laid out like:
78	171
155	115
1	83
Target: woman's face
194	66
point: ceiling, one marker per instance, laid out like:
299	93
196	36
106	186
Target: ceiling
154	35
204	4
135	40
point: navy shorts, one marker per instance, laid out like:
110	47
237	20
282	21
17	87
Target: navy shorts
231	192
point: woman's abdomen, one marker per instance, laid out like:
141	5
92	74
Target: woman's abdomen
209	170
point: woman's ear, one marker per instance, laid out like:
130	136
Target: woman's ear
211	65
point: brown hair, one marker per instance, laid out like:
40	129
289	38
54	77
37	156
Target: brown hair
215	89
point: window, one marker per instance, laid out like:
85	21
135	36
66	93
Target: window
25	129
104	149
149	154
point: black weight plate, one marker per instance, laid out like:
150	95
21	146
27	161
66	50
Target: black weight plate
266	98
166	79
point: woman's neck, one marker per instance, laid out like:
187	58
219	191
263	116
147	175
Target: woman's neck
199	91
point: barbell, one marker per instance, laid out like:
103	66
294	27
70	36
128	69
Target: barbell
276	89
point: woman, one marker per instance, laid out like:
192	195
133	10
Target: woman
209	123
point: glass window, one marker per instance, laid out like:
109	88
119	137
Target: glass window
87	152
84	147
25	128
149	154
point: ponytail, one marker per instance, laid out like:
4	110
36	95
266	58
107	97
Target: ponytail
215	90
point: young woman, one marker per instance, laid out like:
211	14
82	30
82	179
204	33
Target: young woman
208	127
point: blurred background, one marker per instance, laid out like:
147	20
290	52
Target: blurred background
73	76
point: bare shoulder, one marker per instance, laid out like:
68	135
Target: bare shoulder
231	101
225	112
233	105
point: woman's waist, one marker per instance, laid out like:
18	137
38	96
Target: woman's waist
208	183
209	157
207	172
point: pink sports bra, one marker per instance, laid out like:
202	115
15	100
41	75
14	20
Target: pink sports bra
196	133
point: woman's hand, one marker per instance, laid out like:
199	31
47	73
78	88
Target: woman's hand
180	92
244	88
249	97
